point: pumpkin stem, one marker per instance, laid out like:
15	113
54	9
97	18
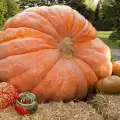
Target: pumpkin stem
66	47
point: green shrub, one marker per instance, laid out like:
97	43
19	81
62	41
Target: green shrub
103	25
115	35
8	8
3	11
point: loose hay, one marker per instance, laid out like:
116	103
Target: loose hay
108	106
55	111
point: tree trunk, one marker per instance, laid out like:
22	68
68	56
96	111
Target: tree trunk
97	11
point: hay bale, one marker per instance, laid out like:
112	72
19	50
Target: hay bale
55	111
108	106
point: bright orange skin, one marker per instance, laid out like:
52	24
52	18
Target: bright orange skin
30	56
116	68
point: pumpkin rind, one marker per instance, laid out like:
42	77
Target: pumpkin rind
53	52
109	85
116	68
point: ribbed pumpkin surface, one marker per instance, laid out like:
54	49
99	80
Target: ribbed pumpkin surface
53	52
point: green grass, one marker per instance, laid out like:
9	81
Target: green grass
104	35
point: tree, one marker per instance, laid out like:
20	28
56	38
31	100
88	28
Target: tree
90	4
97	10
82	8
25	2
13	7
111	10
8	8
3	11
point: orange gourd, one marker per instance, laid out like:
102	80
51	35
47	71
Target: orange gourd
116	68
108	85
53	52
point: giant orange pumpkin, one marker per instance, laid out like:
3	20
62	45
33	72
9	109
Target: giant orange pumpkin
53	52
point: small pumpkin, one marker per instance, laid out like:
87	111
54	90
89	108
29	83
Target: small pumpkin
53	52
108	85
26	104
116	68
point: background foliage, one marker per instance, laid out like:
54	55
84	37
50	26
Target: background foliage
8	8
111	11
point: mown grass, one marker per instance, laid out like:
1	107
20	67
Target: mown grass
104	35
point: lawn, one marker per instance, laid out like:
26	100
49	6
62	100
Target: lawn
104	35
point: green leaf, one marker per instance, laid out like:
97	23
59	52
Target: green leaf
111	58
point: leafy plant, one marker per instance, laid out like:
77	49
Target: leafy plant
8	8
115	35
3	11
111	10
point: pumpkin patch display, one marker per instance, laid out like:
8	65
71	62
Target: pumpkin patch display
52	52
